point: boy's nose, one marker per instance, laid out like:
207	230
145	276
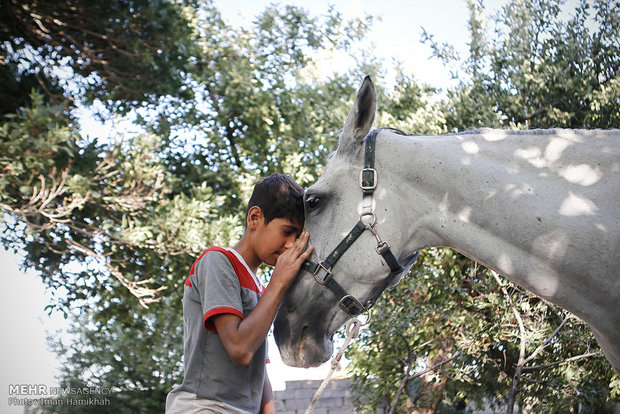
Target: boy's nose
289	242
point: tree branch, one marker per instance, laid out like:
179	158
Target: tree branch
548	340
575	358
514	390
408	376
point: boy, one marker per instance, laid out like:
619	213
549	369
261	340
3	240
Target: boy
228	313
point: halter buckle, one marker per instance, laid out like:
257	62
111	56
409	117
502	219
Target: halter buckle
328	273
368	179
351	305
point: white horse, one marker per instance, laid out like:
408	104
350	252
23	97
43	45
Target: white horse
540	207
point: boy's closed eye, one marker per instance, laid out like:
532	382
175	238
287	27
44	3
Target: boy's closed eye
291	230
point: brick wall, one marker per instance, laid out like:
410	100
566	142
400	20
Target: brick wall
336	399
295	399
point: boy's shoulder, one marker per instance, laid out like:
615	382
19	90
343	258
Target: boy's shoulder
212	252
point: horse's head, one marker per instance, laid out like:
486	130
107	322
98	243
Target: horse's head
351	265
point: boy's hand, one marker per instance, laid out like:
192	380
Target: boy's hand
290	261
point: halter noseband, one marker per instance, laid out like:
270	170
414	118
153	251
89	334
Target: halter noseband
368	220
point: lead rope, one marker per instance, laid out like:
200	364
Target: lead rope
353	329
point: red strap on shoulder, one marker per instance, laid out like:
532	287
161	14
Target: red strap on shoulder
245	278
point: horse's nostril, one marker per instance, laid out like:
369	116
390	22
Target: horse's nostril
303	331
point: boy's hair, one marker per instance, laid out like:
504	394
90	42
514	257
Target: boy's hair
278	196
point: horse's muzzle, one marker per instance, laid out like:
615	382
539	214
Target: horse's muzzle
300	345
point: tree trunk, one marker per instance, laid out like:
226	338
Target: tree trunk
432	389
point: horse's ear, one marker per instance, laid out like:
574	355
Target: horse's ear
361	116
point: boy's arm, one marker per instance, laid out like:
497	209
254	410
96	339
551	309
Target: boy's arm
268	404
242	337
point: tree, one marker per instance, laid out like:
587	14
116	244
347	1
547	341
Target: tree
489	341
537	70
113	225
453	316
131	51
67	195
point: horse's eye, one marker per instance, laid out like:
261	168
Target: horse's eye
312	202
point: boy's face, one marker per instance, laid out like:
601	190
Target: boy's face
274	238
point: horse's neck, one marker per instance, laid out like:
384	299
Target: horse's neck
533	207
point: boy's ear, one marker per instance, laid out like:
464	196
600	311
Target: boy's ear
255	216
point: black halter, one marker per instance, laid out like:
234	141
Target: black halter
368	183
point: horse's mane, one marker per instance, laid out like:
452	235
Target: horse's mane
478	131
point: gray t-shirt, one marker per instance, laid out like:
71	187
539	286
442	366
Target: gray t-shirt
220	282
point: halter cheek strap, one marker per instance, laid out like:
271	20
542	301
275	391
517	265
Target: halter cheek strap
368	221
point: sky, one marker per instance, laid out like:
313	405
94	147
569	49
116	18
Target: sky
24	357
396	36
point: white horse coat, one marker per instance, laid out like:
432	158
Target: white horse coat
540	207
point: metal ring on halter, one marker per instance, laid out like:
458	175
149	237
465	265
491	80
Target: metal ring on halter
348	307
328	273
373	216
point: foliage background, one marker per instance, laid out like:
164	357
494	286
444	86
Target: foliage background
111	224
